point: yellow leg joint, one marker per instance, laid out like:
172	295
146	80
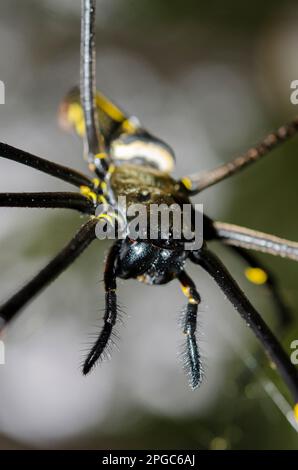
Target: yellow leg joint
111	169
187	182
102	199
187	293
109	217
128	126
88	193
256	275
105	217
104	186
100	156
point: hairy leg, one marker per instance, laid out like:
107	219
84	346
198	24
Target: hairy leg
208	261
192	357
110	310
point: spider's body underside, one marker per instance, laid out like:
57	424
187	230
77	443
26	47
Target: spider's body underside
126	160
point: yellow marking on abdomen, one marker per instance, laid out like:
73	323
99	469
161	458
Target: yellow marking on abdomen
151	152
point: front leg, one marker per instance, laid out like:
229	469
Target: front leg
94	140
41	164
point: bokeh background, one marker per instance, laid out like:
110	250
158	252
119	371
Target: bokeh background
211	78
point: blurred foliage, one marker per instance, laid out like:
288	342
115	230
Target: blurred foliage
230	15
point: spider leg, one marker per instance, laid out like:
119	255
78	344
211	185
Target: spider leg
94	140
208	261
63	200
243	237
58	171
49	273
110	310
192	357
258	274
199	181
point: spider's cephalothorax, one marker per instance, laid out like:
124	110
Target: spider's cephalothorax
151	261
127	161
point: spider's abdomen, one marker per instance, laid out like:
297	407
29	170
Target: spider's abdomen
149	263
141	148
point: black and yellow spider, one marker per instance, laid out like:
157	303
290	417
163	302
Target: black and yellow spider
126	160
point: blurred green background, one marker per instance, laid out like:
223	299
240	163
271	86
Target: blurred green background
210	78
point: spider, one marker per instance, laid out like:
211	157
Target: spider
126	160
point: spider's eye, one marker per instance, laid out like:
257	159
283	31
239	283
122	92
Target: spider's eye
144	195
